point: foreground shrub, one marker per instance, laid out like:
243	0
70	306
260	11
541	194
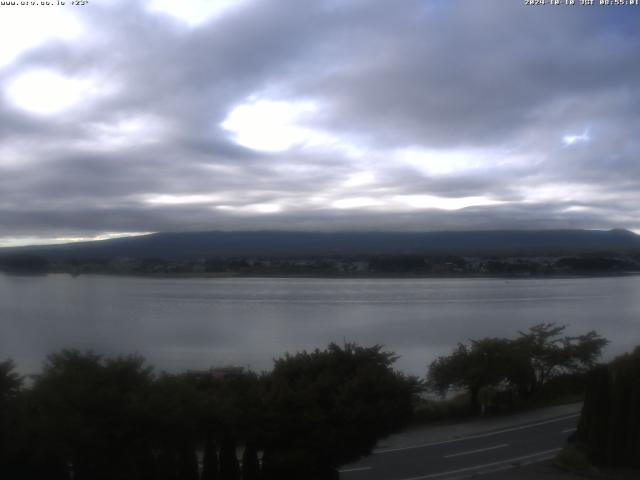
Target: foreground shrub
609	427
89	417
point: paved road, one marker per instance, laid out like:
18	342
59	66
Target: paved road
482	452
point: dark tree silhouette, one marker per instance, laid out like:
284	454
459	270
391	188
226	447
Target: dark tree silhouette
250	463
93	413
187	462
543	352
329	407
526	363
10	380
210	459
609	426
96	418
24	264
11	420
229	466
168	464
473	367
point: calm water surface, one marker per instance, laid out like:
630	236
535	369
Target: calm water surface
196	323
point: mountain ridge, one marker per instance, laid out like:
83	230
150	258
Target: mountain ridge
265	243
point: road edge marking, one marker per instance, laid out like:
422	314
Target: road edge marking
355	469
478	450
471	437
477	467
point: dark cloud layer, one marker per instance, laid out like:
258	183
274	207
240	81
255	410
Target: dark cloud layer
524	116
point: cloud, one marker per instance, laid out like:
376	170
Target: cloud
45	92
332	115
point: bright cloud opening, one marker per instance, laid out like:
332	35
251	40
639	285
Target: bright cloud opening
24	28
360	179
356	202
45	92
262	208
444	203
441	162
565	192
573	139
193	12
413	202
27	240
577	209
271	125
181	199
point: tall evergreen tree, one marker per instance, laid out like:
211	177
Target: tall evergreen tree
188	462
609	426
10	416
167	465
250	463
210	460
229	465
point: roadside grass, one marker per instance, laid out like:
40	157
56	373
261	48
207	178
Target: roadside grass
429	410
561	390
572	459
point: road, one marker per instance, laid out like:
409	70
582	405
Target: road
477	453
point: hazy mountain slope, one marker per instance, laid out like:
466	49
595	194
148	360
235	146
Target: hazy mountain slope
272	243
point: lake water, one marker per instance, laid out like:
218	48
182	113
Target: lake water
197	323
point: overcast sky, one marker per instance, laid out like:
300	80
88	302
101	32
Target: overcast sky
136	116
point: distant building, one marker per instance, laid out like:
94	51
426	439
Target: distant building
220	373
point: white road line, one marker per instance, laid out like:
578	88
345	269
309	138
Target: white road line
471	437
486	465
356	469
511	466
469	452
567	430
501	468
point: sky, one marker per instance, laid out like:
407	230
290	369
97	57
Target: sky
121	117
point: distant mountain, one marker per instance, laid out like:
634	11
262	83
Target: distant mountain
280	244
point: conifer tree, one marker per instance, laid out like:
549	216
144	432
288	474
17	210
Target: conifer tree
250	463
188	463
229	466
609	427
210	460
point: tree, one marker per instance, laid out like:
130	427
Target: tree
10	380
92	413
24	264
250	463
210	459
526	363
175	423
543	353
187	462
229	466
482	364
10	419
329	407
609	426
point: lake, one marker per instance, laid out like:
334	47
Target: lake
180	323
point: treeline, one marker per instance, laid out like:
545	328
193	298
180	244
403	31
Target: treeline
339	265
88	417
29	264
498	372
609	428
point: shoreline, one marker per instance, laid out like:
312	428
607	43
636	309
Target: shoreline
367	276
